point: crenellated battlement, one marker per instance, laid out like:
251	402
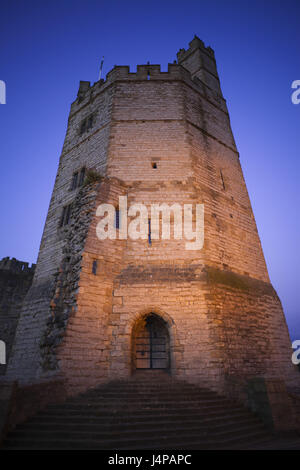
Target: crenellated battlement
143	72
146	72
196	65
16	266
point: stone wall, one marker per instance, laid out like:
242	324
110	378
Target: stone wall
15	280
80	150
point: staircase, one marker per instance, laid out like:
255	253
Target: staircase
149	411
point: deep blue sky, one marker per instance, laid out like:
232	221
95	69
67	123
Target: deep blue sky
48	46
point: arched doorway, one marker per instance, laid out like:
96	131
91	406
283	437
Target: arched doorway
151	343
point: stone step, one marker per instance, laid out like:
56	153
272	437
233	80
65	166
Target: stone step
140	414
105	412
199	441
58	421
119	432
126	425
142	402
124	394
151	385
148	393
186	409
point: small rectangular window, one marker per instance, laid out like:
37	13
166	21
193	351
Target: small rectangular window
68	214
83	127
81	176
86	124
65	217
74	181
61	223
90	121
78	179
95	266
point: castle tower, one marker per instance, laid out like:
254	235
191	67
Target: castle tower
100	309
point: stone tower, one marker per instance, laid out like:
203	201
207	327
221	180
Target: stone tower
100	309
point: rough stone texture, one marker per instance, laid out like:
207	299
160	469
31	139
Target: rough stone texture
7	397
15	280
270	399
225	321
63	303
19	403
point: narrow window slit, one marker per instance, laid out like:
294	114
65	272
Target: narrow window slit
66	215
117	218
222	178
74	180
149	232
81	176
95	267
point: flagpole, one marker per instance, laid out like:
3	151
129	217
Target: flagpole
101	65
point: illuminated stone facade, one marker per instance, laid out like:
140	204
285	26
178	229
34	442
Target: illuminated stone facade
155	137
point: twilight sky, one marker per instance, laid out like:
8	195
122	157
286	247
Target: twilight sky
48	46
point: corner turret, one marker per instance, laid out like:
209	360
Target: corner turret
199	60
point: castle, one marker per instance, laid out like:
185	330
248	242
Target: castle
98	310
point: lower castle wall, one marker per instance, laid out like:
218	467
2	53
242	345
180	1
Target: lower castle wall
225	328
15	280
211	343
24	364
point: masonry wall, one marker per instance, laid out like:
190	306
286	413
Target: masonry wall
15	280
84	351
79	150
225	321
